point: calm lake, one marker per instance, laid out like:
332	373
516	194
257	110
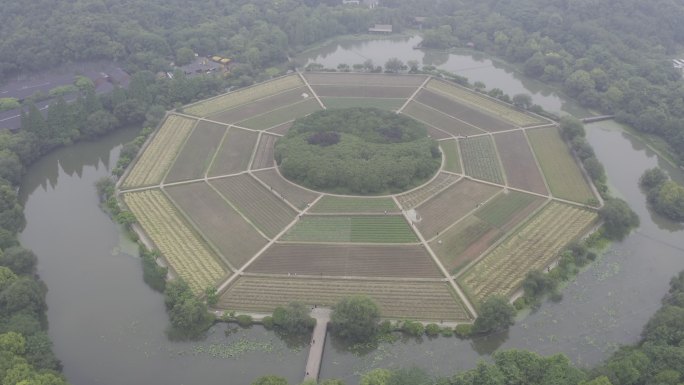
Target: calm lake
108	327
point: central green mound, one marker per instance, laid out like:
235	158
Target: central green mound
357	151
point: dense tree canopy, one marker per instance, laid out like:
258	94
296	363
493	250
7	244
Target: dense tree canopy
358	151
612	56
618	218
355	318
293	318
495	314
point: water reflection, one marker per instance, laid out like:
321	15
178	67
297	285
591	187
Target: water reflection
474	65
108	326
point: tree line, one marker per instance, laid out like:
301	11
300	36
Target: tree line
612	56
658	358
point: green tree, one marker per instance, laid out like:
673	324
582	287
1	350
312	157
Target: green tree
603	380
189	317
293	318
665	327
270	380
537	284
24	294
20	260
184	55
595	169
580	81
61	124
9	104
12	342
11	212
496	314
126	218
11	168
571	127
7	277
98	123
355	318
331	381
153	274
627	367
409	376
211	295
34	122
84	83
668	200
376	377
653	177
618	218
522	101
394	65
39	351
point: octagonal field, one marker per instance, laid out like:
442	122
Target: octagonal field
208	193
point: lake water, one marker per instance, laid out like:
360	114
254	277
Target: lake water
109	327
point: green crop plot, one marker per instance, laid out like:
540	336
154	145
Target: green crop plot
533	246
281	115
481	102
244	95
480	159
506	207
349	102
464	242
405	299
452	161
337	204
559	167
356	229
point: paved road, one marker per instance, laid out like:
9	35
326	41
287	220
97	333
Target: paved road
313	364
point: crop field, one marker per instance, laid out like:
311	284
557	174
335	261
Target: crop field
244	95
462	111
349	205
518	162
451	205
508	209
407	299
281	115
235	152
187	255
194	159
415	197
484	103
297	196
350	79
452	161
263	208
464	242
263	157
281	129
480	159
560	168
440	120
358	91
153	163
219	223
261	106
533	246
346	260
383	104
486	215
355	229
